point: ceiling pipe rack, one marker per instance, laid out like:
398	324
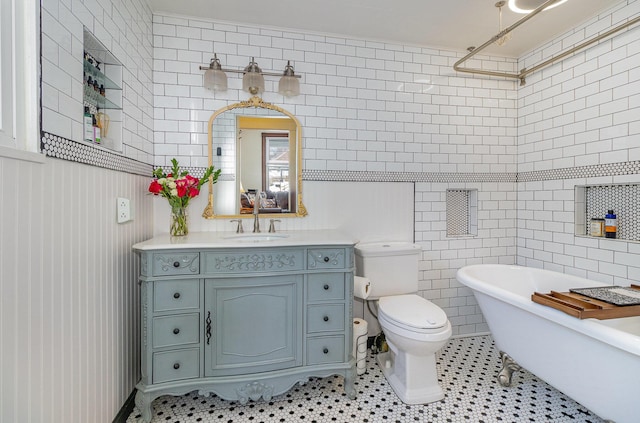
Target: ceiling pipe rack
524	72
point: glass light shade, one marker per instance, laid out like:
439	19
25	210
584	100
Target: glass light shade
289	86
215	80
253	82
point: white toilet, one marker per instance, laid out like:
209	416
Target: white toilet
414	327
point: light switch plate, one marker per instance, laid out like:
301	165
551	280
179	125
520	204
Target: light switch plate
123	210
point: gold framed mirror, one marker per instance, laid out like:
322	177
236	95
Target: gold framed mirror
258	147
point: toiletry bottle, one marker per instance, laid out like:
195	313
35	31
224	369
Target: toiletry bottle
87	121
610	225
596	227
96	131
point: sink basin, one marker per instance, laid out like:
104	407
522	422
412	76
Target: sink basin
256	237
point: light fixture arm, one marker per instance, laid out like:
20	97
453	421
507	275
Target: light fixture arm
204	68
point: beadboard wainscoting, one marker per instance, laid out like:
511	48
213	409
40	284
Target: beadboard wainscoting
69	314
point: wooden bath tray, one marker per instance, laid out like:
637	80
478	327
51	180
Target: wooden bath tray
584	307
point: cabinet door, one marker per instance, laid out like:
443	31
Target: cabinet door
256	324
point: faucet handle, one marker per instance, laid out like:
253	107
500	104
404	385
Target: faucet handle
239	229
272	226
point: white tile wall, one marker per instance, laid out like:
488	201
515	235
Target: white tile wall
364	105
583	111
125	29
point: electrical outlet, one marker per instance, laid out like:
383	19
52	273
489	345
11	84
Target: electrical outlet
123	210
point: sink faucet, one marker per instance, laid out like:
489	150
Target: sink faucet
272	226
256	215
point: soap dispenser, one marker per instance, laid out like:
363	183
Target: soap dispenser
610	224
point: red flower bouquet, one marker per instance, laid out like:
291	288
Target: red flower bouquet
178	187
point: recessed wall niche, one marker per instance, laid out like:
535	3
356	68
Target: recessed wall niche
102	95
462	212
594	201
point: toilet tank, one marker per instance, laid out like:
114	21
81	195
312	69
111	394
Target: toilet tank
392	267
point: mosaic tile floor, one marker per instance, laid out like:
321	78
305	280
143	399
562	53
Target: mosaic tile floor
467	368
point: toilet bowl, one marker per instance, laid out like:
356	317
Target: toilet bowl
415	329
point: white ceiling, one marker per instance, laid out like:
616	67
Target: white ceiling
451	24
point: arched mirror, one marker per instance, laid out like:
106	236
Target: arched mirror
258	147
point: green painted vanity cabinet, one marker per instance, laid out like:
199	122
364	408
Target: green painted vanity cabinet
243	322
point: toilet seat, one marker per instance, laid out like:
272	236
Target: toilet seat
413	313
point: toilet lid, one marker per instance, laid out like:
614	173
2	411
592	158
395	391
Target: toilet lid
413	311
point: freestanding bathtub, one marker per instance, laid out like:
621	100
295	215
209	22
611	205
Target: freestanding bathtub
595	362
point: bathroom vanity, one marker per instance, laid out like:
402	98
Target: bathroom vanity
244	316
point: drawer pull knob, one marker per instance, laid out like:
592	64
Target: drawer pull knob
176	295
176	331
326	318
176	366
325	350
326	259
176	264
326	287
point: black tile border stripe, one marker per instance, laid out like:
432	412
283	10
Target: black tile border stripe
590	171
378	176
63	148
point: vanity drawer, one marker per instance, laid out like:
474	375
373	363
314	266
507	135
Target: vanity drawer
325	286
325	349
171	264
325	318
176	295
176	365
177	329
326	258
254	261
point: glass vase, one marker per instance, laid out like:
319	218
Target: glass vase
179	221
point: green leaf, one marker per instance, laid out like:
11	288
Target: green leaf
209	173
175	170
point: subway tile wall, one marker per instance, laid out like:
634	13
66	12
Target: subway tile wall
579	124
365	105
124	28
370	111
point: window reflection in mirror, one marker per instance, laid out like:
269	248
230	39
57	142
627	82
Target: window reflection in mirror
266	153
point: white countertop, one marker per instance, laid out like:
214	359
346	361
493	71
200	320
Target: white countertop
203	240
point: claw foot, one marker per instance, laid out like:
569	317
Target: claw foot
508	367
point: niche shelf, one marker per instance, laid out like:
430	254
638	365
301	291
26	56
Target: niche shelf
462	212
107	103
593	201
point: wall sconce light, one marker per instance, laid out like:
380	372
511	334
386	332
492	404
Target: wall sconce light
252	80
289	85
215	78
